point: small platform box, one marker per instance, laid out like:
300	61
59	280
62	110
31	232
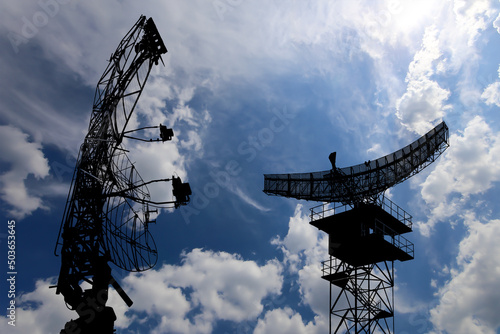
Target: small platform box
365	235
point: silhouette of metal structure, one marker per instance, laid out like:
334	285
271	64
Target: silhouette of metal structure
109	208
365	229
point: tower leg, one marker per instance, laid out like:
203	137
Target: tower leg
94	315
364	302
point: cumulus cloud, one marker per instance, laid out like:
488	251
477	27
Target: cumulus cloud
207	287
211	285
156	161
470	166
40	311
424	100
24	158
304	248
303	243
188	298
468	302
473	17
301	235
491	94
285	321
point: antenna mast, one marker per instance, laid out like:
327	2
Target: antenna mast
108	211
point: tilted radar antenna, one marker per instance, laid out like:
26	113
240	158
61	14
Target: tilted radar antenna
109	208
364	228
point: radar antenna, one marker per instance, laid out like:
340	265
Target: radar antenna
109	207
365	229
364	181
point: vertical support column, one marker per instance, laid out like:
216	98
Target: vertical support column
330	307
365	299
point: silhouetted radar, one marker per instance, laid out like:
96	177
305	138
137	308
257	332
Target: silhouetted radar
357	183
109	207
106	183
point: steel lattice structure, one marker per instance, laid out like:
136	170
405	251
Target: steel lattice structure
365	229
108	211
366	299
366	180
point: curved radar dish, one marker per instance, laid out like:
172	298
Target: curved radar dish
365	181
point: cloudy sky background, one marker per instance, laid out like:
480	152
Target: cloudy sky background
254	87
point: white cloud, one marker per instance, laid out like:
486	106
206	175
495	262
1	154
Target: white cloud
491	94
313	288
375	151
468	302
496	23
301	235
463	43
24	159
472	17
196	37
215	286
285	321
247	199
304	248
39	312
451	46
188	298
303	245
424	100
156	161
234	44
216	48
469	167
42	120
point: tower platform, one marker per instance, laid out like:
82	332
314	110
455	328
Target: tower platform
366	234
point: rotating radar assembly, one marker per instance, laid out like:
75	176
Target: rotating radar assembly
365	229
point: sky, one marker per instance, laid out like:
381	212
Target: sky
255	87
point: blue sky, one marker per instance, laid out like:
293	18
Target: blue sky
254	87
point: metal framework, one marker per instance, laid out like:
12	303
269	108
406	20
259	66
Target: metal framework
109	208
365	229
365	303
366	180
364	242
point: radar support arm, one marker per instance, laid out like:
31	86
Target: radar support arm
165	133
181	191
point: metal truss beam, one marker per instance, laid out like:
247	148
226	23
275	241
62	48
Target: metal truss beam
366	180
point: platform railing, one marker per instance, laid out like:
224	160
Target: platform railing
333	265
395	210
397	240
329	209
